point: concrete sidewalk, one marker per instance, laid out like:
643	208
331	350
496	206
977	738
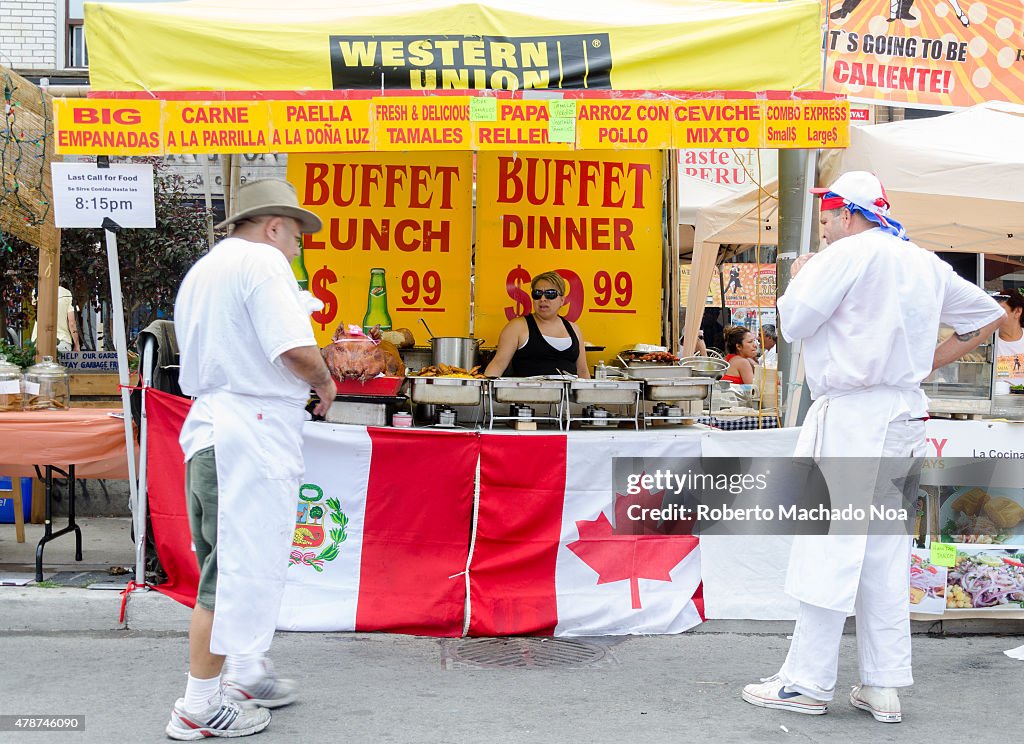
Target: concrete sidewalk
64	603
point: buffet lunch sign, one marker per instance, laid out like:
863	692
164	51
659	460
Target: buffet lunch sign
478	123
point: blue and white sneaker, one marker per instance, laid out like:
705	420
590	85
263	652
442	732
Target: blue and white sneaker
226	719
771	693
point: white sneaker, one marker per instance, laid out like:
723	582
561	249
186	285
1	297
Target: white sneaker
270	691
881	702
771	693
224	719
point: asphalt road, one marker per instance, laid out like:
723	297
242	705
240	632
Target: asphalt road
368	688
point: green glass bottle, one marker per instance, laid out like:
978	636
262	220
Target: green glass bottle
377	303
299	269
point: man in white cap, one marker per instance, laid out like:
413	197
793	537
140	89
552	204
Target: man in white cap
249	358
868	308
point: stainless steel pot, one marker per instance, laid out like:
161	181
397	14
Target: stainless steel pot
455	351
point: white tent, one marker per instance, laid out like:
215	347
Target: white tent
956	182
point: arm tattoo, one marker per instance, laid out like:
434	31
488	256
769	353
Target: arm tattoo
967	336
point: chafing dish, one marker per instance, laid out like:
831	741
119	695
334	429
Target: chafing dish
605	391
693	388
657	372
450	391
527	390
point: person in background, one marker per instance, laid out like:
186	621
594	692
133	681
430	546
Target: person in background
1010	341
741	353
712	328
867	307
770	357
68	338
249	357
542	342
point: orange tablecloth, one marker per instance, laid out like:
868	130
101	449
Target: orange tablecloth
91	439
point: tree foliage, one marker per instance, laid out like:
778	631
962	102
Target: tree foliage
152	261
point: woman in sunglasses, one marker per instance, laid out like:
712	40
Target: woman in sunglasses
1010	341
542	342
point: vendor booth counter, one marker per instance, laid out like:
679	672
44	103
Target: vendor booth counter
448	533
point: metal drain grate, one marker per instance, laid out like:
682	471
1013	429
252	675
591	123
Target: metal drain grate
538	653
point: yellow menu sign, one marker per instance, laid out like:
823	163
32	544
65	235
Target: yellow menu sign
408	213
595	218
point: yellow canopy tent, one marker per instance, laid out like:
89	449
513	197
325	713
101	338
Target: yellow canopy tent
264	45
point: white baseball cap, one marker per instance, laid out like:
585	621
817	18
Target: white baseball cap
860	188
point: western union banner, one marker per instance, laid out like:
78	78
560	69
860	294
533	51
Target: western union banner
205	45
430	123
945	53
409	214
595	219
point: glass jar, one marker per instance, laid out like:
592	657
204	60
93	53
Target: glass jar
47	386
10	386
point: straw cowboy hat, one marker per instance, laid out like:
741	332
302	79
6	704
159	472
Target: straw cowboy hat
272	196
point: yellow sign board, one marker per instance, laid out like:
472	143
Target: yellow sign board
408	213
434	123
320	126
86	127
438	123
594	218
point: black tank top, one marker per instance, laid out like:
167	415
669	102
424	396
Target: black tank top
538	357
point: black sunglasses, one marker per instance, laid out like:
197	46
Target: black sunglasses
549	293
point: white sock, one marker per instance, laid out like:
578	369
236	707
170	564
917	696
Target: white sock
245	668
200	694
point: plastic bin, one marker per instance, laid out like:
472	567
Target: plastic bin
7	499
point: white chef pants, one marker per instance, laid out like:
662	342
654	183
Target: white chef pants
883	627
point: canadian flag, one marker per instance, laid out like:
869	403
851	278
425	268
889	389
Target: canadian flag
556	552
382	525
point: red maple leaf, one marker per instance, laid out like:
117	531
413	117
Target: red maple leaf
641	522
617	557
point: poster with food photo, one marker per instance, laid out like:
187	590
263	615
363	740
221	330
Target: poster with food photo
927	584
986	579
982	516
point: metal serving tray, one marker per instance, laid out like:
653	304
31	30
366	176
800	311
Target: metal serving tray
658	372
452	391
605	391
512	390
694	388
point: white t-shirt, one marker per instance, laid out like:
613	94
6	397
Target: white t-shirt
1009	364
238	309
65	304
869	307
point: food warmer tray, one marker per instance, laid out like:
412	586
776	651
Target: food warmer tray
605	391
695	388
451	391
526	390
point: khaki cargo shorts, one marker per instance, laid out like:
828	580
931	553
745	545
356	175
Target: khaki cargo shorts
201	495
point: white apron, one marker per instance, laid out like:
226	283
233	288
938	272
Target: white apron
825	570
258	446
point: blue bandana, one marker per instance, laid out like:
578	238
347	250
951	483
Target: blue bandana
887	224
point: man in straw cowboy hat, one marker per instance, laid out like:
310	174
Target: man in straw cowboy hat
249	358
868	308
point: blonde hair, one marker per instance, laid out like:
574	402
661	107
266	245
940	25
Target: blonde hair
550	276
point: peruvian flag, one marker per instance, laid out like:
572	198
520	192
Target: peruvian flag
556	552
382	525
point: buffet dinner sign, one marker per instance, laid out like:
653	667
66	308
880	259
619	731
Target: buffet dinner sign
408	213
595	218
431	123
944	53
